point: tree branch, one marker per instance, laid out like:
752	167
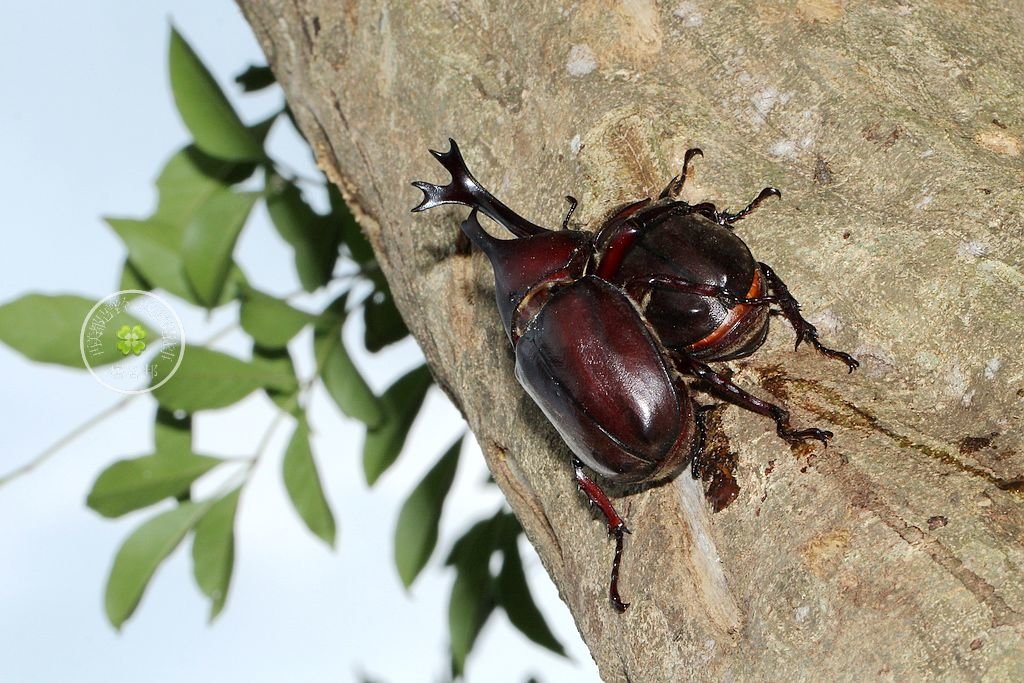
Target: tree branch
895	132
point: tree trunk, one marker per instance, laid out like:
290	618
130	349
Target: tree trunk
895	132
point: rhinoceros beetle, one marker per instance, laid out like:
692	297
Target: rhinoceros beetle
605	325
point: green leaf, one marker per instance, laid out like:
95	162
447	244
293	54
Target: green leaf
255	78
213	551
141	554
384	324
472	599
205	109
261	129
189	179
514	595
477	543
314	238
236	282
48	329
139	482
270	321
470	605
402	402
131	278
172	434
209	242
154	249
155	252
473	595
303	484
416	533
340	376
209	379
279	362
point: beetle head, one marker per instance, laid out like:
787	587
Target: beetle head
526	263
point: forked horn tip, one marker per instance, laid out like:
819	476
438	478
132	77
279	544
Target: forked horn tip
428	200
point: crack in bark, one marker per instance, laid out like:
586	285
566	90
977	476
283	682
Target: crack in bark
298	5
364	157
862	493
512	484
705	566
853	416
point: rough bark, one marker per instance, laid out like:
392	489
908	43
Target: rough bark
895	132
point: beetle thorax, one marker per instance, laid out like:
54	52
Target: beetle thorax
537	297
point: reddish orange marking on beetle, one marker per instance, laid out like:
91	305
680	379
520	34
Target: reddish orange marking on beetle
735	315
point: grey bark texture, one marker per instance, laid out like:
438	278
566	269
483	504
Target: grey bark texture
895	131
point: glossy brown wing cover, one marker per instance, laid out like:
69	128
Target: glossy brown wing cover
593	367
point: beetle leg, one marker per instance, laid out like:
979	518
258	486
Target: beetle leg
676	184
734	394
715	467
572	207
700	416
804	330
638	287
726	218
708	210
616	526
464	189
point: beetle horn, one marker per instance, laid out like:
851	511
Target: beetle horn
497	253
464	189
480	237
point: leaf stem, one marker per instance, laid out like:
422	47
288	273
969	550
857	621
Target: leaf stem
81	429
63	441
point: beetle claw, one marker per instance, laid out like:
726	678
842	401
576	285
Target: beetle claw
790	309
727	218
822	435
572	207
675	185
613	586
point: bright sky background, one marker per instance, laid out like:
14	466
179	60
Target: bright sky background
87	122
